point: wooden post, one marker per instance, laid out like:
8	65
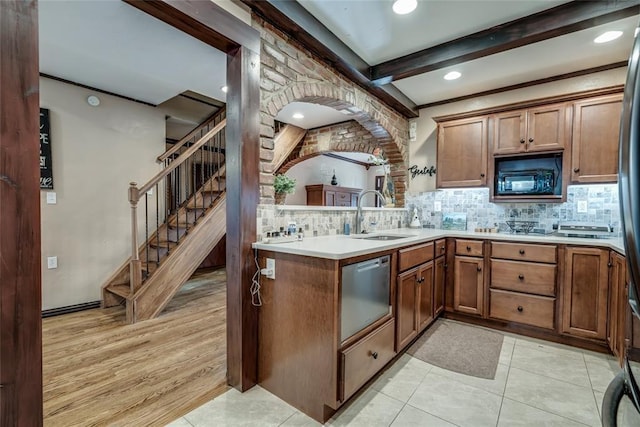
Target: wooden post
135	266
20	257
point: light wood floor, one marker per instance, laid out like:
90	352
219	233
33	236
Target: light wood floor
98	371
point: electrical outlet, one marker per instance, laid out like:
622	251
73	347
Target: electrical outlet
582	206
437	206
52	262
51	198
271	265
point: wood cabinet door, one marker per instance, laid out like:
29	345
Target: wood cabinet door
406	327
329	198
546	128
462	153
468	285
438	286
509	131
596	128
424	307
617	306
585	293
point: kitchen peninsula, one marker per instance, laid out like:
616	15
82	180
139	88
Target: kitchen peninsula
562	289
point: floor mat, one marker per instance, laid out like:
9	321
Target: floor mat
460	348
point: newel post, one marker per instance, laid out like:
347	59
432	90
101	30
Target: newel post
135	266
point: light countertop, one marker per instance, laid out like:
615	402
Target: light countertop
341	246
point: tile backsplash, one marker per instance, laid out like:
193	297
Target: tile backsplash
601	202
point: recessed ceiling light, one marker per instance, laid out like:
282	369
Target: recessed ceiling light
402	7
298	116
224	89
452	75
607	37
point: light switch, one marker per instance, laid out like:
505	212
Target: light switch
51	198
437	206
582	206
52	262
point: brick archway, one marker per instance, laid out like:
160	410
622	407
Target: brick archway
390	139
289	73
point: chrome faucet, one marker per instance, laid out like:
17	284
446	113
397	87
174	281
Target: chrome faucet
359	217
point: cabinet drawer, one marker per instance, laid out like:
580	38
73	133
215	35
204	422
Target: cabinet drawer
343	196
528	277
469	247
410	257
364	359
441	247
529	309
524	252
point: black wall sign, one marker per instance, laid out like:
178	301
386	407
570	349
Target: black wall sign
415	170
46	172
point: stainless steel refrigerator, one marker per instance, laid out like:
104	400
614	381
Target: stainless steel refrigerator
625	384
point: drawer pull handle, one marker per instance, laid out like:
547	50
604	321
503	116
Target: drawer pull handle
521	251
374	354
468	248
521	276
520	309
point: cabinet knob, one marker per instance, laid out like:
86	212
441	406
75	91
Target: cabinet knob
520	308
530	139
446	265
468	248
522	141
521	251
442	248
481	175
374	354
479	268
521	276
609	265
576	170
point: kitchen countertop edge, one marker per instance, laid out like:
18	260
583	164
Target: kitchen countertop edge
339	246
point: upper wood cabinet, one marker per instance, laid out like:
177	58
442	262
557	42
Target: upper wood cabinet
531	130
462	153
586	283
596	129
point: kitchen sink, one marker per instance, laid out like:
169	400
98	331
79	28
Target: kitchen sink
382	236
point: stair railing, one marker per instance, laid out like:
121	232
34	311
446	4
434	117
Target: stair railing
174	199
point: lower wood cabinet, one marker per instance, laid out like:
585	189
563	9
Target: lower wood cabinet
468	285
586	282
618	303
365	358
414	303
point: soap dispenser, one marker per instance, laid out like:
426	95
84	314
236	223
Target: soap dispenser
415	221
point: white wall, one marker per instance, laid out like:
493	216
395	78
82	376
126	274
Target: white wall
96	152
423	151
320	169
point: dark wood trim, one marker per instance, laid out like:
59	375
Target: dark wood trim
560	20
20	287
203	20
218	105
527	84
346	159
70	309
95	89
293	19
533	103
242	149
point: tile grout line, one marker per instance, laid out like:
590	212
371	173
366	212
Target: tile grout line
504	390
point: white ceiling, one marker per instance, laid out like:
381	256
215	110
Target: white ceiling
110	45
376	34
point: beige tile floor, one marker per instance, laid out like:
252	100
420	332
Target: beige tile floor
537	383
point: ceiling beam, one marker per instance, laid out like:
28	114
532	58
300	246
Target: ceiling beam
293	19
347	159
554	22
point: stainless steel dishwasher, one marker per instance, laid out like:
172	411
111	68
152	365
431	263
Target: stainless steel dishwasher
365	294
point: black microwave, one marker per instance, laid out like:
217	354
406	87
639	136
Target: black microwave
534	181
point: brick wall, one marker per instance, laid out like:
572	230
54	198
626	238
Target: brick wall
288	74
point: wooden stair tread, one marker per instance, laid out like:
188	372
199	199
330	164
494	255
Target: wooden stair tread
122	290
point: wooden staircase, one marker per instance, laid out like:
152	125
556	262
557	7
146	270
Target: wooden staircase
181	224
